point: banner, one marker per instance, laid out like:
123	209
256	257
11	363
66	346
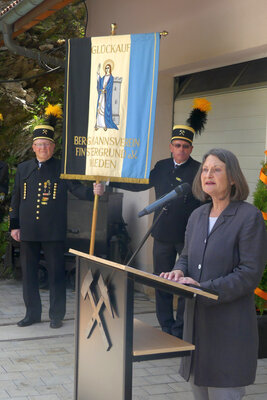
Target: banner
110	104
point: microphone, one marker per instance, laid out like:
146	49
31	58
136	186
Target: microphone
179	191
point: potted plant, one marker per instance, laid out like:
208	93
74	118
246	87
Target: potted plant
260	201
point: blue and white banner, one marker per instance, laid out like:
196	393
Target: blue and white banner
110	104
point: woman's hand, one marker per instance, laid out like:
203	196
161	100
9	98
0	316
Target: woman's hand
178	276
172	275
187	280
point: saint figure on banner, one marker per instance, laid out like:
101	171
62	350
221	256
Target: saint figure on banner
104	102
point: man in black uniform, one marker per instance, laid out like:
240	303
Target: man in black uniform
169	232
3	186
38	219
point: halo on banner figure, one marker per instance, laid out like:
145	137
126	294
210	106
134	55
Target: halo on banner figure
105	88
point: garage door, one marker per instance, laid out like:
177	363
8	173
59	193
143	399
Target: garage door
237	122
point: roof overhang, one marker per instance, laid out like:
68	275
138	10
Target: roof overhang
24	14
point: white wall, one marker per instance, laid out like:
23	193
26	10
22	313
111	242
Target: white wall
202	34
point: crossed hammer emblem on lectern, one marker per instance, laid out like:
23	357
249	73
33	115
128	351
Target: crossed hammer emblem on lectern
97	304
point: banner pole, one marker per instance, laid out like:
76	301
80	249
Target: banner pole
95	209
93	226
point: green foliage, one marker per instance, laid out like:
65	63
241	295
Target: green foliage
260	302
260	201
4	273
20	117
4	234
260	196
42	100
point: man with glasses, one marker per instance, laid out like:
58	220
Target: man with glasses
38	220
169	232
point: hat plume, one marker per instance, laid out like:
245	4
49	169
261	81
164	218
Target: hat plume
198	116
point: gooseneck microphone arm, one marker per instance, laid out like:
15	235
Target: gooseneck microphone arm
179	191
146	235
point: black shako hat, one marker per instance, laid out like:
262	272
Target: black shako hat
47	128
195	122
44	132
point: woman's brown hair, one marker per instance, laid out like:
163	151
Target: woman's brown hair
239	190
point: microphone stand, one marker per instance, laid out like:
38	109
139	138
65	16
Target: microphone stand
147	235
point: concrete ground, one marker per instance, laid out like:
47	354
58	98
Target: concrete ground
37	362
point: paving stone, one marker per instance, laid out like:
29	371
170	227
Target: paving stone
158	379
56	380
256	389
139	393
7	385
10	376
162	370
33	368
177	378
180	386
69	387
158	389
17	398
52	389
45	397
180	396
26	391
261	378
143	364
157	397
138	372
139	381
32	374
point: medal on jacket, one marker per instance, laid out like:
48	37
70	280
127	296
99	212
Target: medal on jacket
46	192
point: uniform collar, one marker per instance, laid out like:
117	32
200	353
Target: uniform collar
182	164
44	162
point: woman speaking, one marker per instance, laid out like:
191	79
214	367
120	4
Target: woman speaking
225	251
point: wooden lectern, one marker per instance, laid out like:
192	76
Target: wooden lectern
108	338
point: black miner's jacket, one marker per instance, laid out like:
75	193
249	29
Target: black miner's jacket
164	178
39	201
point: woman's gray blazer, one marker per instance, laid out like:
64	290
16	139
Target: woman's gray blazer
229	260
